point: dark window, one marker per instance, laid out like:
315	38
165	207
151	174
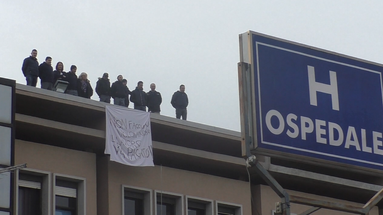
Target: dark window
166	205
29	201
196	208
165	209
30	195
226	210
65	205
195	211
133	206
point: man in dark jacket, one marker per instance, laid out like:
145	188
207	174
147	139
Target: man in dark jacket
71	78
30	69
103	88
180	101
139	97
154	99
46	74
119	91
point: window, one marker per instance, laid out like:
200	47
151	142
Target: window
198	206
137	201
228	209
69	196
33	193
168	204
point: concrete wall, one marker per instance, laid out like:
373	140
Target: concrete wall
175	181
269	197
61	161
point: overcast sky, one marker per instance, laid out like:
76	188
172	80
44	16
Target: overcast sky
179	42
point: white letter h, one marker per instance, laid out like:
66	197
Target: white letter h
315	87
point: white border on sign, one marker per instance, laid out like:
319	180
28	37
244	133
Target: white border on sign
319	58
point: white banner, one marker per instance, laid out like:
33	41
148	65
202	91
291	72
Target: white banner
128	136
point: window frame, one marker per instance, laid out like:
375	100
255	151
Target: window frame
45	187
209	209
179	201
147	198
238	209
80	191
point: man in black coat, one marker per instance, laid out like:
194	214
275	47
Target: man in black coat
46	74
30	69
154	99
180	101
71	78
139	97
119	91
103	88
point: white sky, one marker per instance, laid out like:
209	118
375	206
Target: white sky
179	42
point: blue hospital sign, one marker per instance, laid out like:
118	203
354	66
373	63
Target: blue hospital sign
315	103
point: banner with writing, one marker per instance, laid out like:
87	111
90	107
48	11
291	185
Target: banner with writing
128	136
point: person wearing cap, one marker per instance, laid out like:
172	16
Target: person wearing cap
103	88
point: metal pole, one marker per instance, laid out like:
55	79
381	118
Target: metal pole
285	199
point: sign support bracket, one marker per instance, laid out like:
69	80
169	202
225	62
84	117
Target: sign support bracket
253	163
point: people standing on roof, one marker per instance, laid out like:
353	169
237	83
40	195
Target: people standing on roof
30	69
84	89
103	88
71	78
154	99
119	91
139	97
46	74
180	101
59	73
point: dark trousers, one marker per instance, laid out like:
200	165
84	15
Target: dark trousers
119	101
72	92
105	98
181	113
46	85
31	80
138	107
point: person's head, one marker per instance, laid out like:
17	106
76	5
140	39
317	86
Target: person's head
182	88
119	78
152	86
140	85
105	76
124	82
34	53
83	76
73	68
60	66
48	60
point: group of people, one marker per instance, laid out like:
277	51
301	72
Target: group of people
119	91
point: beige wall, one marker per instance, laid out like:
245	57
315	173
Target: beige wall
269	197
61	161
175	181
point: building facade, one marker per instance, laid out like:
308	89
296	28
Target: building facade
199	169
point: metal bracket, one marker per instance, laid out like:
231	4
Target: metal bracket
252	162
13	168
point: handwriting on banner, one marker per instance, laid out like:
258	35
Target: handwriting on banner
128	138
